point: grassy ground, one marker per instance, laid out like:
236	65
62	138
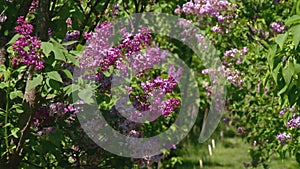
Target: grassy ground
229	153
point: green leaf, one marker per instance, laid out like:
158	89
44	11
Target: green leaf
59	55
2	68
292	20
296	35
55	137
271	55
72	59
69	43
297	68
68	74
275	73
13	39
15	94
280	39
3	85
14	132
18	108
47	48
288	72
59	51
53	84
54	75
6	74
35	82
86	95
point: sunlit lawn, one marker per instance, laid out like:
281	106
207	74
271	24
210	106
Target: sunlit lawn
228	154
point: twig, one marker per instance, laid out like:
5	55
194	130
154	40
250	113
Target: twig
98	18
52	8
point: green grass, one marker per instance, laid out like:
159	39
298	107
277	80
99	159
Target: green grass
229	153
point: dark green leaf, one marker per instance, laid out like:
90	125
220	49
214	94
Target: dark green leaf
54	75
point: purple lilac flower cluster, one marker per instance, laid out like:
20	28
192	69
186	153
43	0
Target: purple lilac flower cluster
53	112
261	33
157	89
283	137
95	54
133	44
100	55
278	27
3	18
33	6
115	10
71	36
234	76
141	61
105	82
223	11
69	23
294	122
233	56
164	85
27	47
284	110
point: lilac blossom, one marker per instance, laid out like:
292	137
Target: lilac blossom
222	10
69	23
294	123
240	130
284	110
277	27
27	47
216	29
254	143
115	9
72	36
283	137
3	18
33	6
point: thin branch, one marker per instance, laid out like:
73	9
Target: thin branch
136	4
98	18
88	16
80	7
30	106
52	8
125	7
